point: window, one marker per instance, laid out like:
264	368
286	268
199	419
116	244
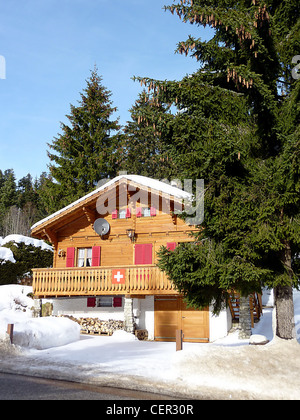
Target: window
149	211
146	212
122	214
109	302
84	257
105	302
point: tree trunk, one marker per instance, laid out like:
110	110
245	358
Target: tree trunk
284	312
284	298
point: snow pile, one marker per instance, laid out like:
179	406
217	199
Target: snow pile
44	333
6	255
14	299
27	241
39	333
272	370
121	335
6	348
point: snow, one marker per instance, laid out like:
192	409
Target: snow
27	241
39	333
6	255
44	333
154	184
227	368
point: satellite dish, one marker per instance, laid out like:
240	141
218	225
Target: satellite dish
101	226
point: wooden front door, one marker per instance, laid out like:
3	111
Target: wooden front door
171	314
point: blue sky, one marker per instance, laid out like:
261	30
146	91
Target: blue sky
50	46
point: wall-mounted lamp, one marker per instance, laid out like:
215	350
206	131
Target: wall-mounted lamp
61	253
131	234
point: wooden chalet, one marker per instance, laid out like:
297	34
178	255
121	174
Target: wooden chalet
105	254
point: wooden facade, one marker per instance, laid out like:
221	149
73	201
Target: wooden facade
85	263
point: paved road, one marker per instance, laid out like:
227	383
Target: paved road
17	387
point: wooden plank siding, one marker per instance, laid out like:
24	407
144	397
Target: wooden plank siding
139	280
72	228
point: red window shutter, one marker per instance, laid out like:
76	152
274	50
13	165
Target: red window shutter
117	303
128	213
152	211
114	214
148	254
143	254
96	253
139	255
91	302
171	246
70	257
138	211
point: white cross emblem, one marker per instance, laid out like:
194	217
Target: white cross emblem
118	276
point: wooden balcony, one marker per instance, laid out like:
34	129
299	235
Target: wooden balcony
139	280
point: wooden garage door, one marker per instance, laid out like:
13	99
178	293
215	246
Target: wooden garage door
171	314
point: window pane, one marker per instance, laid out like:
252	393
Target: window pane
147	213
88	257
105	301
80	259
122	214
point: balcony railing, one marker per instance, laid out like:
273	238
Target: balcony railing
139	280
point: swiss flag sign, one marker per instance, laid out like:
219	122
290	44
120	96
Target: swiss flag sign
118	276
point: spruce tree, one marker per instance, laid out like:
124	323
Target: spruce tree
89	149
238	129
8	195
146	152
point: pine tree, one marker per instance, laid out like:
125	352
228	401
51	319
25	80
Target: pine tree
146	152
8	194
26	192
239	130
89	149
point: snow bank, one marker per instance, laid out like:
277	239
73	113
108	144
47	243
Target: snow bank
14	297
39	333
121	335
271	371
44	333
27	241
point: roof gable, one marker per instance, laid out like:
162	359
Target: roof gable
136	181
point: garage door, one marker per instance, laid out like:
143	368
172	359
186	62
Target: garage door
171	314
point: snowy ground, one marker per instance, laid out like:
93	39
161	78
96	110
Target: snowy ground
227	368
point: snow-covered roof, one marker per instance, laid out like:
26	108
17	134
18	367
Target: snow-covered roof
144	181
